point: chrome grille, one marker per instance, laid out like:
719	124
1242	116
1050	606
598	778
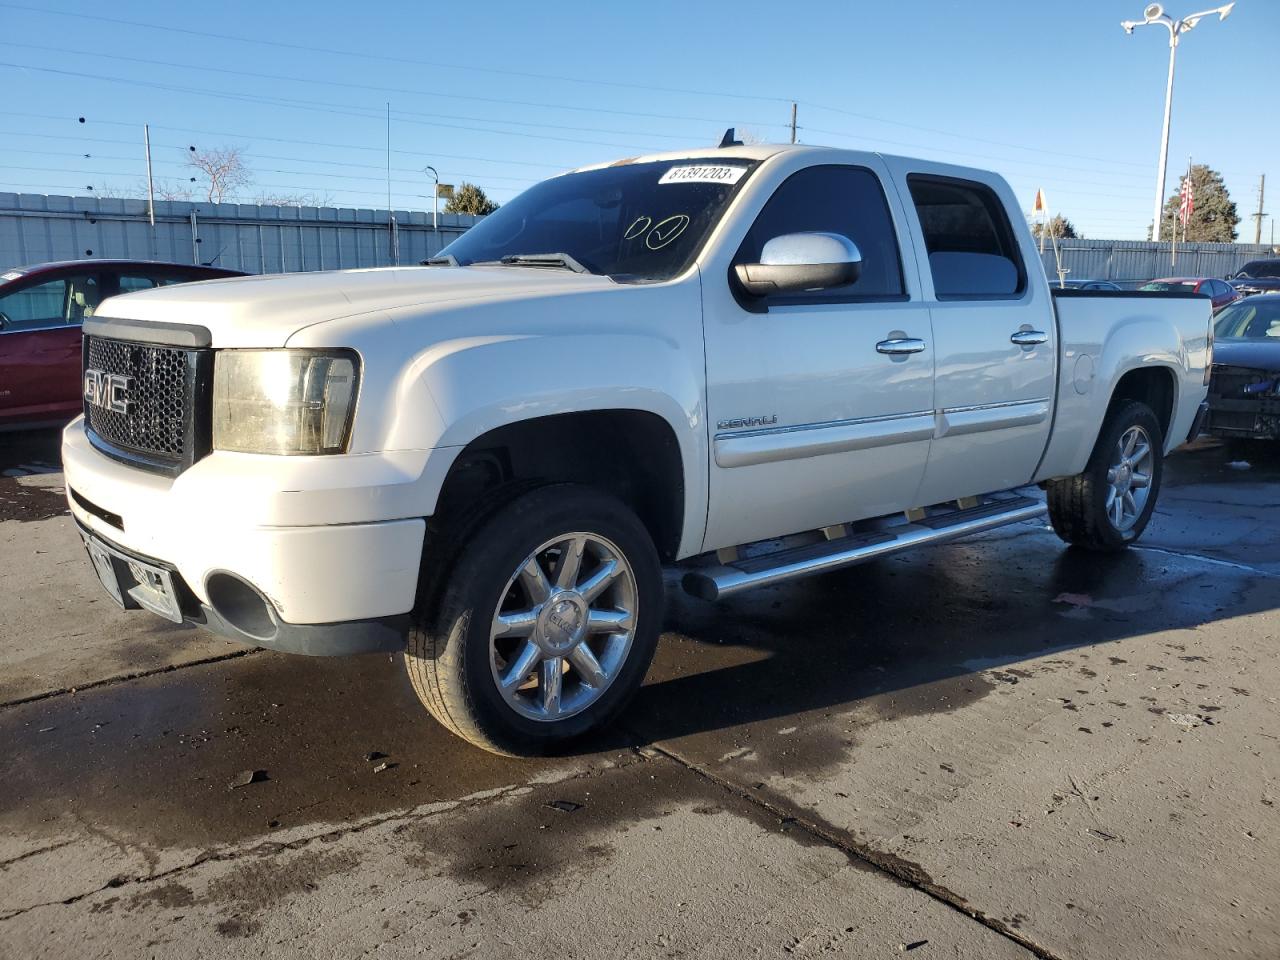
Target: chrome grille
158	425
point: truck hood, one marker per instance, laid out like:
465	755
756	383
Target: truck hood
1253	354
264	311
1259	283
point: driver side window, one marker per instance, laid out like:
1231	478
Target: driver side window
834	199
54	303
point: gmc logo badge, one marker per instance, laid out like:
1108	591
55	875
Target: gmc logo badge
108	390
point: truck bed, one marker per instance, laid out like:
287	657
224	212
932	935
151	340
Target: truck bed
1101	334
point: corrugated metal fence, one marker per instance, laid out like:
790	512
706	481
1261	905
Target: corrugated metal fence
268	239
1136	261
241	236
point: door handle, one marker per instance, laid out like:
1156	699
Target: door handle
1029	338
900	345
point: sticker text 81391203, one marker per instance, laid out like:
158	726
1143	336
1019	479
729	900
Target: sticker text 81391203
723	173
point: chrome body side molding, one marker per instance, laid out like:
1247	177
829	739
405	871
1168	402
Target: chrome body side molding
748	447
957	421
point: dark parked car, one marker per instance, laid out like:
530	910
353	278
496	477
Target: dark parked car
1219	291
41	308
1244	392
1089	285
1258	276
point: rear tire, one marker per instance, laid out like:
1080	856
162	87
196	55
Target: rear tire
545	626
1107	506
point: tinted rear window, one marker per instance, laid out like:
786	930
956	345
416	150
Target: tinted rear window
971	246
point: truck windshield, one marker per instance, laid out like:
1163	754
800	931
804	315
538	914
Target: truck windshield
633	222
1257	318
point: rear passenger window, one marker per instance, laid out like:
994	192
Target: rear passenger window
129	284
832	199
972	251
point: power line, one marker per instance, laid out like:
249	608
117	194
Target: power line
318	106
257	136
434	94
384	58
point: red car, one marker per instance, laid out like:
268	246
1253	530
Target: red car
41	308
1220	292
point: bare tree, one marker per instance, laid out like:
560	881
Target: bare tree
164	190
294	200
223	169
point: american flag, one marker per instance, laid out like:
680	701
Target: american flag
1188	204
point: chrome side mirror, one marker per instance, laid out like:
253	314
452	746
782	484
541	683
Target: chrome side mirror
796	262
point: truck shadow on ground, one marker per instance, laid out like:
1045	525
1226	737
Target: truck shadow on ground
930	632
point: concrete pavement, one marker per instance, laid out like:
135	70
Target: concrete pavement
995	748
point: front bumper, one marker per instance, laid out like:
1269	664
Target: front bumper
1197	425
316	538
131	592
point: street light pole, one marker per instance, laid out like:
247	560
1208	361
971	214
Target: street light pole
435	199
1154	14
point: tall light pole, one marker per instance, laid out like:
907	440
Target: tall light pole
435	199
1154	14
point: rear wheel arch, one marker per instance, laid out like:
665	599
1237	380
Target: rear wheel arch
1155	385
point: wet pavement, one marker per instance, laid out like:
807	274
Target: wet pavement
997	747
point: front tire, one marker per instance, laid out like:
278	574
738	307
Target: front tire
546	625
1107	507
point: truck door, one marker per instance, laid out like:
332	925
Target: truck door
995	339
820	404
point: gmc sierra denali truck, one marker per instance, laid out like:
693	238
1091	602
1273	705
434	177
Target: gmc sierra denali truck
750	363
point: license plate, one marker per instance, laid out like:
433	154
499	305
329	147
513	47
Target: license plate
133	583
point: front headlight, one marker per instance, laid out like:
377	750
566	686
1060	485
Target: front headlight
284	401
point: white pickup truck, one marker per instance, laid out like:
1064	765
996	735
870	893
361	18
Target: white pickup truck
749	363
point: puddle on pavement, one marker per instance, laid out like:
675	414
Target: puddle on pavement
155	758
25	501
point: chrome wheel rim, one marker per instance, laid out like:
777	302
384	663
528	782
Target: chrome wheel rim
563	627
1129	478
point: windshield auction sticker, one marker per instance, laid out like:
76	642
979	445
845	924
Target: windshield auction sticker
704	173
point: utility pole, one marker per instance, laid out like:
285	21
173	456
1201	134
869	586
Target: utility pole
793	122
1262	192
151	190
1154	13
435	200
392	253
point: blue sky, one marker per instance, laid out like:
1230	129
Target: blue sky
503	94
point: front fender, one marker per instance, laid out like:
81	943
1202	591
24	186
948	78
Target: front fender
476	385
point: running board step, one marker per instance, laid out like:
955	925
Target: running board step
717	582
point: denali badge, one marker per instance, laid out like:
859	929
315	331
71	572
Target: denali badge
741	422
107	390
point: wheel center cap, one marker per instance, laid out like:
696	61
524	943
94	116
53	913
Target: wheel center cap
1124	475
560	622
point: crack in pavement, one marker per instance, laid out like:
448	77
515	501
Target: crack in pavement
126	677
1243	567
5	864
273	847
900	870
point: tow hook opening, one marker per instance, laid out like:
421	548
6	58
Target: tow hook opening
240	604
